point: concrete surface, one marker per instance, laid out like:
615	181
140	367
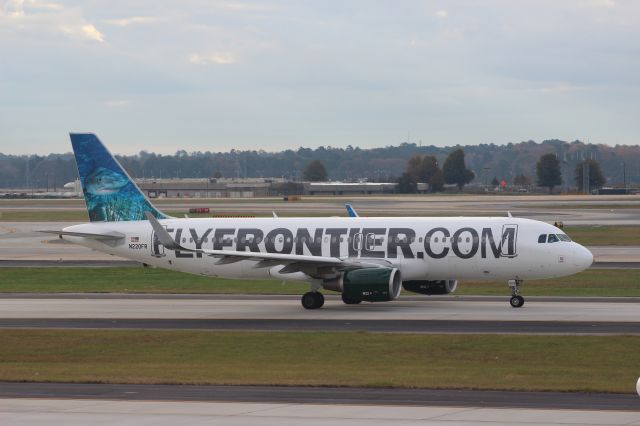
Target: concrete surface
28	412
278	308
324	395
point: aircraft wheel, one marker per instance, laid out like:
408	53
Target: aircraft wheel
312	300
516	301
350	301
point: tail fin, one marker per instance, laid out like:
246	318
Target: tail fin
109	192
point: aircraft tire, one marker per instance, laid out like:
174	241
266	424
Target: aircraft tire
312	300
516	301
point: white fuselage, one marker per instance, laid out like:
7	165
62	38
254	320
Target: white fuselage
422	248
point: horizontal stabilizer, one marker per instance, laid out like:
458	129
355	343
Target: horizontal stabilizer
111	235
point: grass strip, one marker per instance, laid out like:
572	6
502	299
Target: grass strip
605	235
594	282
534	363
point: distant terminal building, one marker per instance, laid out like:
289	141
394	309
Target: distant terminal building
255	187
348	188
210	188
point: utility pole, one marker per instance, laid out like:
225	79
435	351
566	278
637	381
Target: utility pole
585	178
26	174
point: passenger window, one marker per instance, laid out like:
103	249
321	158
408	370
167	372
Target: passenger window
542	238
552	238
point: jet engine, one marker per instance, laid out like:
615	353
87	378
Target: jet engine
370	284
431	287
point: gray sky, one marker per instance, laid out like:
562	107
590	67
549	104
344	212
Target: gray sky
218	75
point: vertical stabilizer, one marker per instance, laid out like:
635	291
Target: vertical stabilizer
109	192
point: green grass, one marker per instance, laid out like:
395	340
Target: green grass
605	235
131	280
540	363
594	282
44	216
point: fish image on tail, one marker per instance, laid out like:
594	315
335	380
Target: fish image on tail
109	192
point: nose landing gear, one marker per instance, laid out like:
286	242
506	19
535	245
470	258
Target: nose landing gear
516	300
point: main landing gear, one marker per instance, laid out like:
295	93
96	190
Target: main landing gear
516	300
312	300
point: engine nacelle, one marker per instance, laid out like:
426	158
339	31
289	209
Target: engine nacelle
431	287
370	284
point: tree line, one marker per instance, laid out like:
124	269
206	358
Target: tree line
513	163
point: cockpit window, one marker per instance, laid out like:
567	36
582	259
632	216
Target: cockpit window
564	237
542	238
553	238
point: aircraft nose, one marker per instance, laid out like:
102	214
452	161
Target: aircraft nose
583	258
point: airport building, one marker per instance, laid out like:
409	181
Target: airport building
256	187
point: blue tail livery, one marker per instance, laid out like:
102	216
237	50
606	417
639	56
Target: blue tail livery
109	192
351	211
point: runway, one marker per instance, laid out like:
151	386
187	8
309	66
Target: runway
323	395
287	309
276	313
29	412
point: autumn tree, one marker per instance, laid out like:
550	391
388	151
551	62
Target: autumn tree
596	178
455	171
421	168
548	172
315	172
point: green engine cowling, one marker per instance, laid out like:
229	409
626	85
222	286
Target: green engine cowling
371	284
431	287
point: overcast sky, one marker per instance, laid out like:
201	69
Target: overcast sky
218	75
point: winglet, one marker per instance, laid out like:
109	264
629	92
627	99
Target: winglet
509	214
163	235
351	211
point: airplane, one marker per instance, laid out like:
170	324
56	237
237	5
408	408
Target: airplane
363	258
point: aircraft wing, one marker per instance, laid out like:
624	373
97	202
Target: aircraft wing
111	235
312	265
